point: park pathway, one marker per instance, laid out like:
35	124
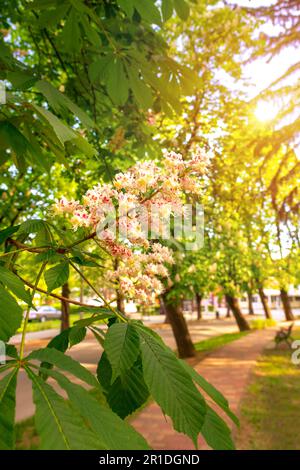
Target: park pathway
228	369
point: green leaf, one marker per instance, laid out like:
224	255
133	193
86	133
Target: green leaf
21	80
128	392
59	425
127	6
70	36
182	9
57	276
122	347
14	284
7	410
58	101
117	82
211	391
10	315
64	362
33	226
76	335
62	132
12	138
114	432
98	69
11	351
148	11
167	9
140	90
216	432
7	232
91	33
171	386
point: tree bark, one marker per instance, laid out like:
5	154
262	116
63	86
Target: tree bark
180	330
65	308
199	306
236	310
250	303
289	316
264	301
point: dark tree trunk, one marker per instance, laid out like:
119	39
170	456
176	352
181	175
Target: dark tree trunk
264	301
199	306
236	310
179	326
163	310
250	303
289	316
65	308
228	311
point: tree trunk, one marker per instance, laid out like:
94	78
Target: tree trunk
65	308
199	306
264	301
289	316
179	326
228	311
250	304
236	310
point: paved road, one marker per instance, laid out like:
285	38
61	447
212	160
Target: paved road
88	353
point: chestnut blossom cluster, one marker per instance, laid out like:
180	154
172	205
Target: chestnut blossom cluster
120	213
140	276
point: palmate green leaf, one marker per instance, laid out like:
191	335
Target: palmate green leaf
171	386
122	347
35	226
117	82
57	276
128	392
211	391
58	424
14	284
58	101
113	431
64	362
7	410
216	432
10	315
140	90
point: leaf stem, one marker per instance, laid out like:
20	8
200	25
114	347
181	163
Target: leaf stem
28	310
107	304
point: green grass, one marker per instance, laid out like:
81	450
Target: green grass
50	324
215	342
270	410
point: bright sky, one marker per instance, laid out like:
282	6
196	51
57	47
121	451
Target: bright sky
263	72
